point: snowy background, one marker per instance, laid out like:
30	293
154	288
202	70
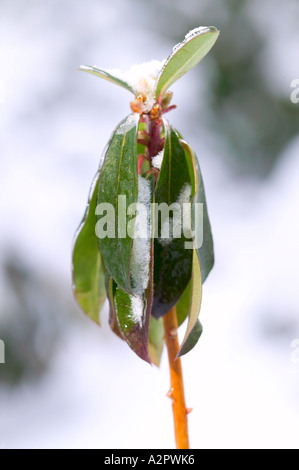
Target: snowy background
67	383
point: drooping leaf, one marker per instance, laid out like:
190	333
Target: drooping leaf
206	250
112	312
107	76
195	303
183	305
185	56
133	318
129	318
130	312
189	303
192	339
118	189
172	262
88	271
183	310
156	340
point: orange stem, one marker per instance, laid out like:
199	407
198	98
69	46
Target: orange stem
176	392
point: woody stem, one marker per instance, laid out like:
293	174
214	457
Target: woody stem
176	379
155	144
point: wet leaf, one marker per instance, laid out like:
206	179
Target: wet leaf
172	262
206	251
183	305
130	312
88	270
192	339
112	311
107	76
185	56
118	189
133	319
156	340
194	308
129	318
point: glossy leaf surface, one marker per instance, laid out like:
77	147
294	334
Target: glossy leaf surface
107	76
133	319
192	339
172	262
112	311
206	251
130	312
183	305
156	340
118	188
185	56
194	308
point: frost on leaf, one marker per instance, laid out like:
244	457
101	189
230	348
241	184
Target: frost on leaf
142	79
185	56
157	160
146	269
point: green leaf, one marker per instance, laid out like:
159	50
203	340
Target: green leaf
118	189
129	318
88	270
192	339
133	317
183	305
107	76
172	262
185	56
194	308
112	312
130	312
156	340
206	251
189	303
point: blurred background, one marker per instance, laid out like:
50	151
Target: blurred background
67	383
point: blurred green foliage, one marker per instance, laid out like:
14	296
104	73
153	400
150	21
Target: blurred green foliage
33	317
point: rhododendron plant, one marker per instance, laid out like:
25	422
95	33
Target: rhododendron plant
145	242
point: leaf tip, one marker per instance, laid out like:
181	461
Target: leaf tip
84	68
